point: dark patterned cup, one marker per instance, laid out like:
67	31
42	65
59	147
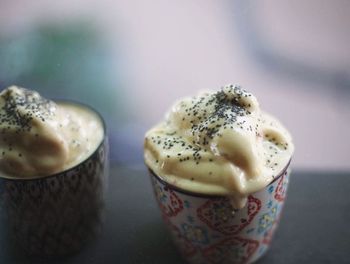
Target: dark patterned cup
57	214
207	229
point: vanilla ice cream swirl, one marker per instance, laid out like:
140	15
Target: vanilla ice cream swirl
219	143
39	137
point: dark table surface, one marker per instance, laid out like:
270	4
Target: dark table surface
315	226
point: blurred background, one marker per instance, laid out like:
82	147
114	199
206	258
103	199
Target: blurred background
131	59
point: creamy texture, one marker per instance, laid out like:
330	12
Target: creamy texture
219	144
39	137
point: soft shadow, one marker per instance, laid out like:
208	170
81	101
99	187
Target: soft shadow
153	244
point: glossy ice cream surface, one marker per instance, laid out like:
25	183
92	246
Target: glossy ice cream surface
39	137
219	143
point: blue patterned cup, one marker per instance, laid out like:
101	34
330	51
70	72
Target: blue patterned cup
207	229
57	214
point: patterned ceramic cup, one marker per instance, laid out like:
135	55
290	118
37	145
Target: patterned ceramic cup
206	229
57	214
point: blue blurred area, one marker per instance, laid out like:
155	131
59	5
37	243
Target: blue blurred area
70	61
67	61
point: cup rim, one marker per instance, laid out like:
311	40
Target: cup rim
202	195
73	102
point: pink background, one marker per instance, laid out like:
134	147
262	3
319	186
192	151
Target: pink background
175	48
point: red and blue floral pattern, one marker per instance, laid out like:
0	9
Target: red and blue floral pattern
209	230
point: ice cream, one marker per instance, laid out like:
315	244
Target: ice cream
218	143
39	137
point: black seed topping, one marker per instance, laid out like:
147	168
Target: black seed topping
19	109
207	117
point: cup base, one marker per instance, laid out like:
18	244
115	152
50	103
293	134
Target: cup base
208	229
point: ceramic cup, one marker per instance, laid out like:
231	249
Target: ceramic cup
207	229
57	214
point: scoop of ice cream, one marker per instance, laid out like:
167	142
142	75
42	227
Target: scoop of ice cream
39	137
219	143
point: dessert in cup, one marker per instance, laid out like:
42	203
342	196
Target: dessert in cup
219	169
53	169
